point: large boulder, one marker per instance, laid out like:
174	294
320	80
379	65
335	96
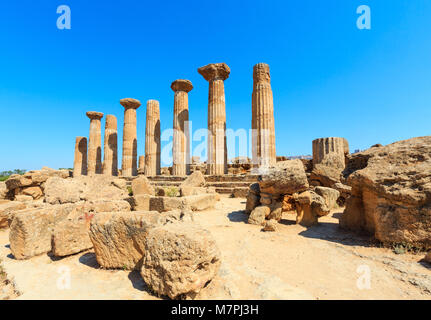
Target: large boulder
309	207
325	175
6	210
329	195
31	230
141	186
99	187
258	215
391	192
59	191
179	260
286	177
71	236
196	179
118	238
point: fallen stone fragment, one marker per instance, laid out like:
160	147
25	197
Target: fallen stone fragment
71	236
7	209
118	237
141	185
270	225
31	230
258	215
286	177
196	179
179	260
329	195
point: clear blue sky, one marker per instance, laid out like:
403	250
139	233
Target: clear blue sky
328	77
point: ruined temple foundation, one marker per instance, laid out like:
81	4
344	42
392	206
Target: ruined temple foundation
215	74
181	139
95	143
110	155
130	142
152	139
80	162
330	151
262	123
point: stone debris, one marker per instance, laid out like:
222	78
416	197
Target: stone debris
119	238
179	259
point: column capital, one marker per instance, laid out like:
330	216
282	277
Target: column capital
215	71
94	115
261	73
130	103
182	85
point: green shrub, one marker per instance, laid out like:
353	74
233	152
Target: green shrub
172	192
130	190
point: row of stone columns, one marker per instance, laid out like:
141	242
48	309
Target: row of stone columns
263	133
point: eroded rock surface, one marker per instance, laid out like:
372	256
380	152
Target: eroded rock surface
391	192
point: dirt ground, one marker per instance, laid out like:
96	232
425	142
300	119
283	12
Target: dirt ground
321	262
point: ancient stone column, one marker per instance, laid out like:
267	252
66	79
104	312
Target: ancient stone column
110	155
330	152
130	141
215	74
262	120
152	139
181	139
80	162
95	143
141	165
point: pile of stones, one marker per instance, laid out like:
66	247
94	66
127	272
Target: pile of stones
285	187
145	229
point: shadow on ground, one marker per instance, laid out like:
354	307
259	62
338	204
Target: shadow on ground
89	259
139	284
332	232
238	216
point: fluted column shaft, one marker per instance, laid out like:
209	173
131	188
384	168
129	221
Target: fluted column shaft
95	144
215	74
130	141
263	137
330	151
181	139
152	139
80	162
217	162
110	154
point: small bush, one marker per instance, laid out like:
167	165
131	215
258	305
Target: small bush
172	192
129	189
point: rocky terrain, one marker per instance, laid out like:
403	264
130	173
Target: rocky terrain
293	263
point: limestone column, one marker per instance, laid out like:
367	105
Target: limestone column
110	155
130	140
95	143
262	120
215	74
330	152
152	139
181	139
80	162
141	165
